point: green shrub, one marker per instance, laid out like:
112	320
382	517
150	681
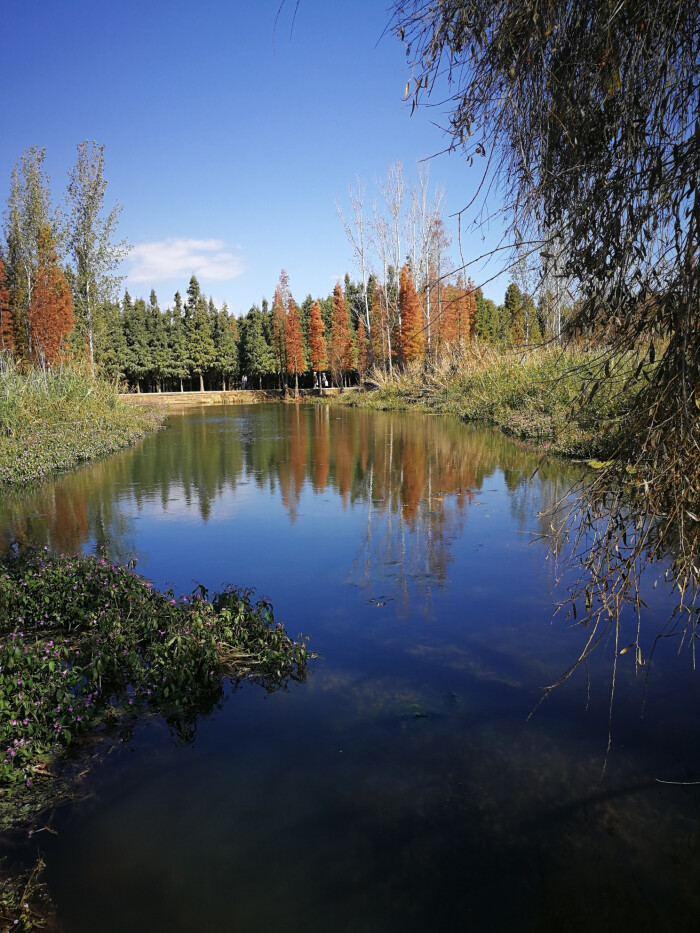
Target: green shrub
82	639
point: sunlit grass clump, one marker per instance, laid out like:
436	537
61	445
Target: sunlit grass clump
52	421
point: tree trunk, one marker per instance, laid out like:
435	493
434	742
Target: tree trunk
201	382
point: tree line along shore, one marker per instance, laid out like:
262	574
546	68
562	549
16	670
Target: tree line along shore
58	282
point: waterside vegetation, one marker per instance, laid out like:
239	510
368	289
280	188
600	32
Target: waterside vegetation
546	396
86	645
54	420
85	641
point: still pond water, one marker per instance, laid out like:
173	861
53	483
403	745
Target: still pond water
402	786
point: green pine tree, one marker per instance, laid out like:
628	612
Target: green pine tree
257	356
111	351
138	356
178	363
515	315
158	342
533	334
200	343
225	334
487	319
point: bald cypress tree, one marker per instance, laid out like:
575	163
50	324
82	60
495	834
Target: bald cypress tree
280	303
363	347
340	342
7	324
411	335
50	315
294	343
317	341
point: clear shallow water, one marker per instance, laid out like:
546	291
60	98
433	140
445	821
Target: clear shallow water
402	786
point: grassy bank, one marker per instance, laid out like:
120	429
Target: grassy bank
52	422
552	398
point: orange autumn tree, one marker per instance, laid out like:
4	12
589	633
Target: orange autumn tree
294	343
467	316
50	316
457	318
341	342
448	324
279	324
363	350
7	330
378	328
412	334
317	341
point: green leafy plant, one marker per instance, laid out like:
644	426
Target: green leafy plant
84	641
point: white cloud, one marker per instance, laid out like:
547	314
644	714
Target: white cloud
179	258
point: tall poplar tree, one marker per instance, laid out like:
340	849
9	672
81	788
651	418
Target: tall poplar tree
356	233
28	213
90	238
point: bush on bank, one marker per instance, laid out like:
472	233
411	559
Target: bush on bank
53	421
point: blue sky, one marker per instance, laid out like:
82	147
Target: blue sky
227	142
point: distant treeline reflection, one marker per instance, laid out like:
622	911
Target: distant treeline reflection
401	464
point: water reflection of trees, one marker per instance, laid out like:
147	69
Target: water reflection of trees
419	473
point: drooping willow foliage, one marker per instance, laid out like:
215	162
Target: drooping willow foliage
586	116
